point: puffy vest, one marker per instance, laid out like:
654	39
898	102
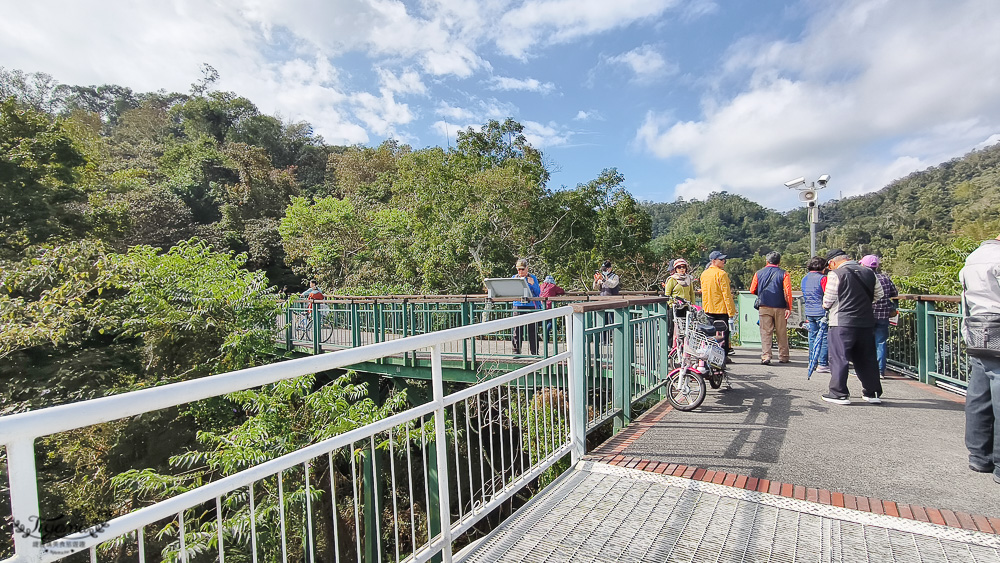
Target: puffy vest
855	291
812	294
771	287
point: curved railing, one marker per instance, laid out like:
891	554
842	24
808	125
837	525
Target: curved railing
406	487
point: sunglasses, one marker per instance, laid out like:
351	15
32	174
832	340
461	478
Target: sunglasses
521	269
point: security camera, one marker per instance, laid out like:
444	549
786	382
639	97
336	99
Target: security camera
823	179
796	182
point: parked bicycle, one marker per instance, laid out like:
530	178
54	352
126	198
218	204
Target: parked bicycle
695	357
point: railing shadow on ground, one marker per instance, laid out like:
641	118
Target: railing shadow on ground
410	486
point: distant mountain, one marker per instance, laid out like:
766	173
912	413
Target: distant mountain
924	221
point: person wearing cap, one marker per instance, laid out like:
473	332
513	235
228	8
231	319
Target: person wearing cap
606	280
523	307
717	294
980	279
550	289
851	289
680	283
884	309
773	287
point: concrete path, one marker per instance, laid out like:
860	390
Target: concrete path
773	425
600	513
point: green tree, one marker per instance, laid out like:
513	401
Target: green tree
38	164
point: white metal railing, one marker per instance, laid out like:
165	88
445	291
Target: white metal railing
482	444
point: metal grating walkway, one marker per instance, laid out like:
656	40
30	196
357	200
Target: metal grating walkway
604	513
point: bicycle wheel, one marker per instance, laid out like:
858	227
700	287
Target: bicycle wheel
685	389
326	330
303	329
673	359
716	377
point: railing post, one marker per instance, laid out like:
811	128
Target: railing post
23	497
664	344
576	341
929	342
441	452
289	324
316	327
355	325
622	400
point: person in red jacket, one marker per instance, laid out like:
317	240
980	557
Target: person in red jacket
550	289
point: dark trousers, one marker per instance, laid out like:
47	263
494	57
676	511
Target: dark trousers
982	413
527	332
712	317
855	345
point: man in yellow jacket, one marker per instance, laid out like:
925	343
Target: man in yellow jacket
717	295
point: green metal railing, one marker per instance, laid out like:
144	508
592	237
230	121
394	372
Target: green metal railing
926	342
624	341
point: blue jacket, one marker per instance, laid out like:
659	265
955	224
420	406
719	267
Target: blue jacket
812	294
536	290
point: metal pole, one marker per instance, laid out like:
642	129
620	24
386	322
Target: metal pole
812	231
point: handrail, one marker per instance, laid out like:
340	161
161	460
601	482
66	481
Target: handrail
593	377
19	431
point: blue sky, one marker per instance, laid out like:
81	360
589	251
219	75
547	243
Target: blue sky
684	97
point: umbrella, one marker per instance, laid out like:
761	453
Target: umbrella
817	345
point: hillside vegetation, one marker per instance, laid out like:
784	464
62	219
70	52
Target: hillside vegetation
922	225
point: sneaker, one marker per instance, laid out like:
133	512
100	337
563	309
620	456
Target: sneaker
875	400
996	478
981	468
836	400
765	362
784	361
823	369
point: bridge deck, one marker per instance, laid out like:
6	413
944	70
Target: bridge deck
604	513
826	467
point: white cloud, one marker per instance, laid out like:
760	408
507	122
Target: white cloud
408	82
900	89
646	63
543	136
561	21
440	41
527	84
381	113
588	115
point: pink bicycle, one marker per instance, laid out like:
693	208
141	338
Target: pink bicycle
695	357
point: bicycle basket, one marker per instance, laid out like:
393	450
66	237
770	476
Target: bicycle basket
705	348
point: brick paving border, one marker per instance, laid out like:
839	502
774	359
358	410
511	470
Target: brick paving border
611	452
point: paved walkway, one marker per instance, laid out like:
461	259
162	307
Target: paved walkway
767	471
773	425
603	513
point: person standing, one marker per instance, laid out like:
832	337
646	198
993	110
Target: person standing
550	289
813	285
523	307
884	308
606	280
773	287
851	289
980	279
717	294
680	283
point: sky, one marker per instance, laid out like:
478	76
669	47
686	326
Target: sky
683	97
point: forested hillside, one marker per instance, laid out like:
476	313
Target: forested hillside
144	238
922	225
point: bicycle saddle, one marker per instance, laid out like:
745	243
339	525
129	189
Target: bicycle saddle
707	330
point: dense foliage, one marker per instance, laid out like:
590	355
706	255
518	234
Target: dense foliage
143	236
